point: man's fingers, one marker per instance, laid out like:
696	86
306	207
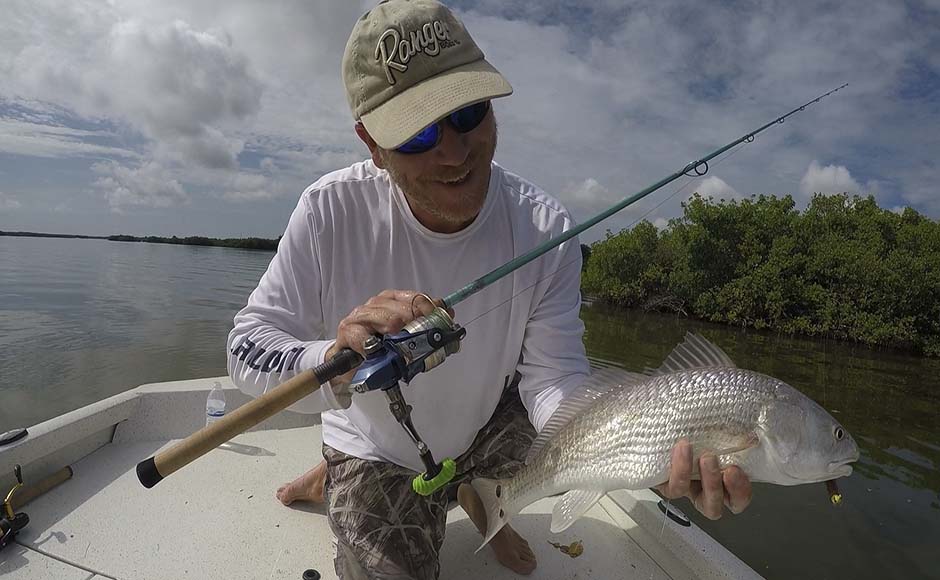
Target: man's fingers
422	305
386	313
737	489
410	302
711	499
680	472
716	488
417	303
352	335
401	308
405	296
378	318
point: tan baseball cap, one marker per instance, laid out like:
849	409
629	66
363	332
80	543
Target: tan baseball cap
409	63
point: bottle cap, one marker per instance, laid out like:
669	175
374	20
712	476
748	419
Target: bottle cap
311	574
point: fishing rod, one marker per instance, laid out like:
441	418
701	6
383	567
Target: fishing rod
699	168
395	359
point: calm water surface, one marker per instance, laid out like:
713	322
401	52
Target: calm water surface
888	525
81	320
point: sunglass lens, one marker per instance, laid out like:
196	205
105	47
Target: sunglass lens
464	121
468	118
423	141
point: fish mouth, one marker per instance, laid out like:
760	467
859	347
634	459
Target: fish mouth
842	468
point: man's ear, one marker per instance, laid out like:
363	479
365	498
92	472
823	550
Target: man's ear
371	144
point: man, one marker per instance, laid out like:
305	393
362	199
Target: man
429	211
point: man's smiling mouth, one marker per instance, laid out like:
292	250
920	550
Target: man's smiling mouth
457	180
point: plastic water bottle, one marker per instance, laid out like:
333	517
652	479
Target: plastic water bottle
215	404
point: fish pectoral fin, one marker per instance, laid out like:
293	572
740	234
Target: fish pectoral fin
750	442
572	506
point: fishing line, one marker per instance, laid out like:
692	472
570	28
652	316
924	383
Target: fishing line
728	155
665	514
698	168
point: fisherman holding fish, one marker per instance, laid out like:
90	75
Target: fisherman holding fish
428	211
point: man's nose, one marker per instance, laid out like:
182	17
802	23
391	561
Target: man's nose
453	148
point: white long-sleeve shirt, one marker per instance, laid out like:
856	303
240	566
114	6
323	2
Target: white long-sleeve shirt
353	235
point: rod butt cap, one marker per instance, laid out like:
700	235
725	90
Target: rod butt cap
147	473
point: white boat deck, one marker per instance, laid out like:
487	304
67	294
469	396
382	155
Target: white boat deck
218	517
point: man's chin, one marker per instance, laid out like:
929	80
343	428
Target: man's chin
461	218
462	213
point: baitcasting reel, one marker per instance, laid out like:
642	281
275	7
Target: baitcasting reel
394	359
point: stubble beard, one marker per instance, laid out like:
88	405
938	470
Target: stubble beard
470	202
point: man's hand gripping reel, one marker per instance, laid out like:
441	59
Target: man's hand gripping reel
394	359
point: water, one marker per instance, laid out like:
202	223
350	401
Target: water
888	525
81	320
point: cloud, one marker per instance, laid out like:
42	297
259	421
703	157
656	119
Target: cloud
716	188
249	187
589	195
591	198
921	190
627	93
184	86
7	202
829	179
236	100
149	185
19	137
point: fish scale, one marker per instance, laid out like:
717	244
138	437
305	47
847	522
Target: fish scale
618	430
635	426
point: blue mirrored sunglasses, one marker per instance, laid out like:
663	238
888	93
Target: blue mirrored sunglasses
463	121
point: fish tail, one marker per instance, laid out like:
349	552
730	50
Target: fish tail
492	495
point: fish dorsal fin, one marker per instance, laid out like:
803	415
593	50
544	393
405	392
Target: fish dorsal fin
694	352
572	506
594	387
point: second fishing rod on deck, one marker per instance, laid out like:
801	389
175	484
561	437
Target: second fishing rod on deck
395	359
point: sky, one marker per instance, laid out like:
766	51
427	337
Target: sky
210	117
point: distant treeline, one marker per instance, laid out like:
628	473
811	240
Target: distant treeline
842	268
244	243
41	235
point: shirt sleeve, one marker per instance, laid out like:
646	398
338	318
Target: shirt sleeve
281	332
553	362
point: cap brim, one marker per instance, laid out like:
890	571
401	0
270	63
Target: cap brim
393	123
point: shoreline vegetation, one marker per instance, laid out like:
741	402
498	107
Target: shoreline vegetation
243	243
842	268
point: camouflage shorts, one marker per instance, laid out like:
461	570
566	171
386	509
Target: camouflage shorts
385	528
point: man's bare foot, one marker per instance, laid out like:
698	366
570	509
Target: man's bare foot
307	487
511	549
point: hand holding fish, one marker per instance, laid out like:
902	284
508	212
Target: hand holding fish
730	486
698	423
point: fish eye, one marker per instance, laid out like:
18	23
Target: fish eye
839	433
